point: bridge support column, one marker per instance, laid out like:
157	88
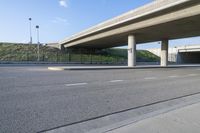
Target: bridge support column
164	53
62	48
131	51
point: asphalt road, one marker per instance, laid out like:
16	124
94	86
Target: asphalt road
33	99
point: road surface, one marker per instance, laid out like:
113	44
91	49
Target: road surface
34	99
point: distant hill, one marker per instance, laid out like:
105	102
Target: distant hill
26	52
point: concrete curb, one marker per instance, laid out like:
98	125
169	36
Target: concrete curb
115	67
123	119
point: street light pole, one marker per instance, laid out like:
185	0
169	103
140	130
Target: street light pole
30	28
38	43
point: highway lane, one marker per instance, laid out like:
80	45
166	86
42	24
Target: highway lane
33	99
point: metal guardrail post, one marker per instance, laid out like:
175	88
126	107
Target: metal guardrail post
69	57
90	58
81	57
56	56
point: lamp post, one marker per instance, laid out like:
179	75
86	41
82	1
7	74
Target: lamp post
38	43
31	39
30	28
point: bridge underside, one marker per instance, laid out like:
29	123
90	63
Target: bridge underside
174	22
187	27
189	57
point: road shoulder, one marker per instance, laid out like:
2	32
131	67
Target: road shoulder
183	120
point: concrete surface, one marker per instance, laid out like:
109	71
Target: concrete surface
160	19
181	54
61	68
34	99
123	119
131	51
184	120
164	53
103	67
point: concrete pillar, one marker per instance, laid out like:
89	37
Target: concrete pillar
62	48
131	51
164	53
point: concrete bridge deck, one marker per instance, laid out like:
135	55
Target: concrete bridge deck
152	22
160	20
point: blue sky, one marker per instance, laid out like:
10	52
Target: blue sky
61	18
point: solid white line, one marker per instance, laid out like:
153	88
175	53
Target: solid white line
149	78
76	84
114	81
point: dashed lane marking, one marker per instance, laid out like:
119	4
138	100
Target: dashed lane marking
114	81
192	75
76	84
173	76
150	78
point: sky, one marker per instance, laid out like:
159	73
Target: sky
62	18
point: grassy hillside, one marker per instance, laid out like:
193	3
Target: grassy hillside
20	52
142	55
25	52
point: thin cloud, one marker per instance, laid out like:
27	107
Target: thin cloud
63	3
60	20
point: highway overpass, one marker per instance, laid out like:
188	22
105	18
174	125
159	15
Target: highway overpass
160	20
187	54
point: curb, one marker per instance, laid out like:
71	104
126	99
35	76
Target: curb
115	67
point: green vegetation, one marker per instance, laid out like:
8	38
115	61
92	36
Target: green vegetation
20	52
146	56
142	55
25	52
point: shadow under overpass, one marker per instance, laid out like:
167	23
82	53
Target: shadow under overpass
189	57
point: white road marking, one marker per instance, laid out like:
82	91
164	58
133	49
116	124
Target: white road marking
76	84
192	75
173	76
150	78
114	81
